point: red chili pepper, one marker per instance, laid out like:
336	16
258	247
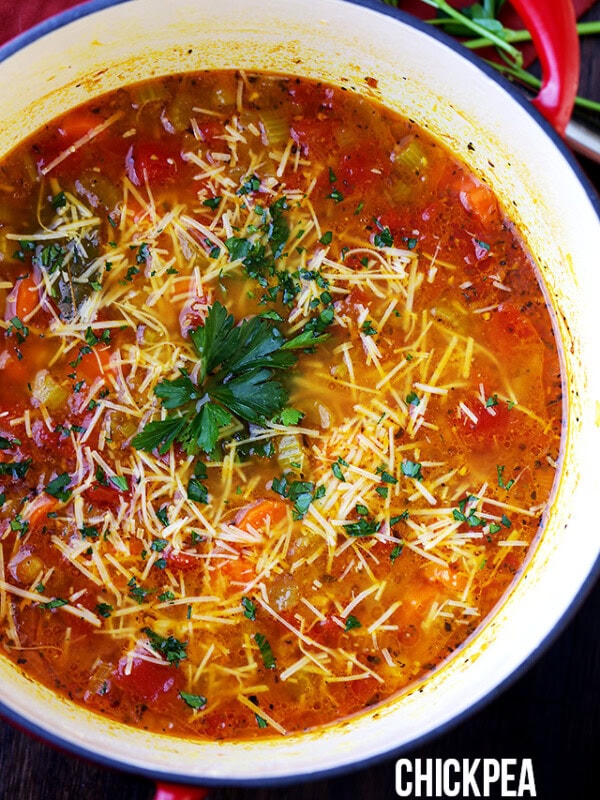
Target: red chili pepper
553	29
169	791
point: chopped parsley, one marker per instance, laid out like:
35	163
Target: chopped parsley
290	417
138	593
162	515
92	339
104	610
368	329
411	469
383	238
252	184
197	491
171	649
19	525
501	482
265	650
301	493
385	476
58	487
336	468
351	623
396	552
56	602
15	469
465	512
59	200
193	700
249	607
89	532
19	329
335	195
119	482
142	255
365	526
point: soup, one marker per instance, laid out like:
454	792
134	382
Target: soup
281	405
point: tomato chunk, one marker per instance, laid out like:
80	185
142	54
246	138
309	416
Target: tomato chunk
512	328
154	162
24	299
147	680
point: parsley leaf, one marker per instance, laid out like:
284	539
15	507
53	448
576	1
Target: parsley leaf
290	416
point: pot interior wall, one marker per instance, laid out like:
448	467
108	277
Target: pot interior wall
480	121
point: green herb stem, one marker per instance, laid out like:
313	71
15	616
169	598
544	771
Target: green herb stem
503	41
490	36
527	79
519	36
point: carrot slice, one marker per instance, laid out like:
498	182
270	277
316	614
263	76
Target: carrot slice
447	577
262	514
28	297
78	124
36	512
237	570
95	364
478	199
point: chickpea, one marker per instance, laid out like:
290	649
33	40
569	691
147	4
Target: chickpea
284	593
27	568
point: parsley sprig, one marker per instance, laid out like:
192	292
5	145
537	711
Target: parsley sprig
235	382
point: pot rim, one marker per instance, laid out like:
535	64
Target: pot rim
65	18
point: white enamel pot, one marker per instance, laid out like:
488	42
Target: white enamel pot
98	46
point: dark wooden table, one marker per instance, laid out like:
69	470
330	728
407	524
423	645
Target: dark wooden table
551	714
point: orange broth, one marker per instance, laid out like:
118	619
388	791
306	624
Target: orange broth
286	570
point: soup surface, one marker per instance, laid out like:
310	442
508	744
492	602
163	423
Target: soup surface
280	404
